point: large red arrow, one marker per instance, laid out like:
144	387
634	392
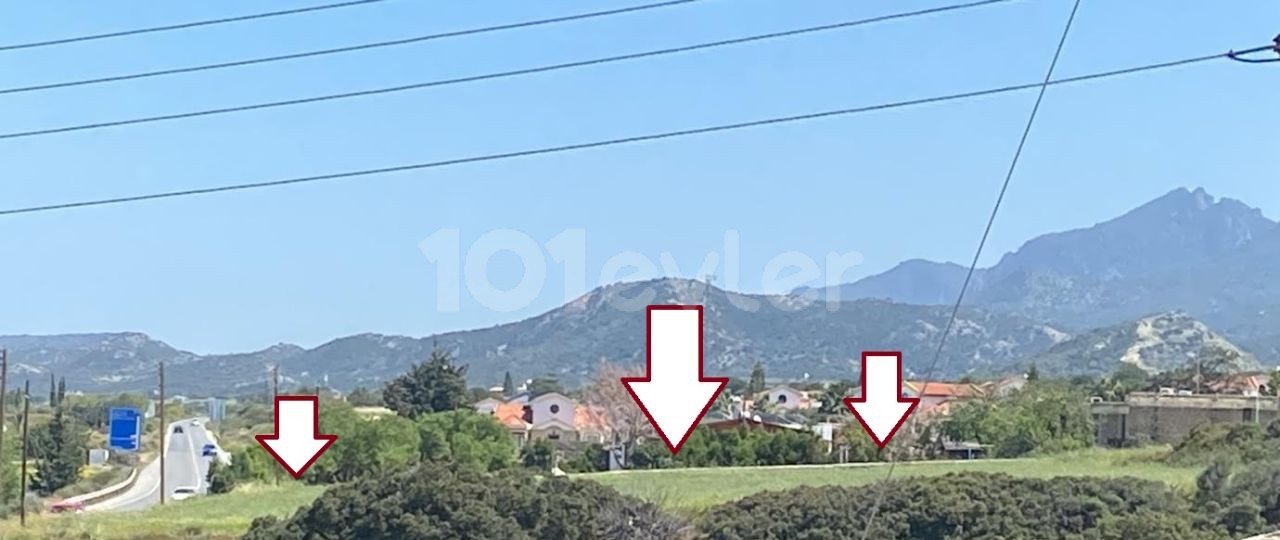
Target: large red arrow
674	394
297	442
881	409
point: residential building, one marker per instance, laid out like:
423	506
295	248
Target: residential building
937	397
1169	417
783	397
552	416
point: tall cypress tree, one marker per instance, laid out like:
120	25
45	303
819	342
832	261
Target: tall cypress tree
61	464
53	391
756	385
62	389
508	385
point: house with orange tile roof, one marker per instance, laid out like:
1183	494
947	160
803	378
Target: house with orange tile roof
552	416
938	397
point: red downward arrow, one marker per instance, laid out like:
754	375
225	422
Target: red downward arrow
674	394
297	442
881	409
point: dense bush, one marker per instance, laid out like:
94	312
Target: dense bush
435	501
365	446
466	438
742	446
1042	417
1240	443
964	506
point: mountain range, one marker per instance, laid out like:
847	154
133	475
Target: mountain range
1153	287
1218	260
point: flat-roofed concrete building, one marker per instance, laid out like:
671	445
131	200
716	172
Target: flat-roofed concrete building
1167	418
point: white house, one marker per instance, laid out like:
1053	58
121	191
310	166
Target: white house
783	397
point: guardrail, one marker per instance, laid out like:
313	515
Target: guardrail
106	492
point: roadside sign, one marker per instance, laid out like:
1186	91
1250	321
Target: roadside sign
125	431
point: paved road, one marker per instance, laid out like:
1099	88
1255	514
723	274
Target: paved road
184	467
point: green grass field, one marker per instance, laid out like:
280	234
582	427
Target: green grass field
221	516
694	489
686	490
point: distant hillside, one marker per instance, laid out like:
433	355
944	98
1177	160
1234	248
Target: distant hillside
1216	259
1162	342
791	336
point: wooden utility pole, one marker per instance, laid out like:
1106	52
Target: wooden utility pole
22	492
4	420
275	391
164	431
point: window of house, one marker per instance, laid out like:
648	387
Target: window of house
782	398
554	434
555	409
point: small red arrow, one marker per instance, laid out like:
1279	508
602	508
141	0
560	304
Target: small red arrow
880	408
674	394
297	442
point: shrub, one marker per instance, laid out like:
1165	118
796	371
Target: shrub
436	501
959	506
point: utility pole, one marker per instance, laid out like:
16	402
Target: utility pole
275	391
4	420
22	492
164	431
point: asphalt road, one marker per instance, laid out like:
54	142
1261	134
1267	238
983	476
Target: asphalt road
184	467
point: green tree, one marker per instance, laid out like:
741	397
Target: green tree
540	455
62	460
1033	372
53	391
435	385
1043	416
467	439
366	446
756	385
364	397
544	385
508	385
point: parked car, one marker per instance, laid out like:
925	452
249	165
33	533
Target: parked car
67	506
183	493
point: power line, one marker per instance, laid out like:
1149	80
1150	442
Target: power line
986	232
166	28
338	50
606	142
501	74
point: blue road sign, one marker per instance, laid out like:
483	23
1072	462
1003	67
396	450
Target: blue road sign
125	432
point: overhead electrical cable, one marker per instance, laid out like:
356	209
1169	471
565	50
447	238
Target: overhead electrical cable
496	75
180	26
973	265
338	50
607	142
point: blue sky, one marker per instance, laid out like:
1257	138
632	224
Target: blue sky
306	264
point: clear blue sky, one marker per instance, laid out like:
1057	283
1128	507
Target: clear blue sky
241	271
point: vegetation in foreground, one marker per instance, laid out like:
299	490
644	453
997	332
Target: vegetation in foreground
222	516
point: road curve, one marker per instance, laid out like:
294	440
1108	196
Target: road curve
184	464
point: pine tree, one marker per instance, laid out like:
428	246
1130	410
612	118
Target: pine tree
53	391
62	390
64	458
508	385
435	385
757	379
1033	373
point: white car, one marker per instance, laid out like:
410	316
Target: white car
195	423
183	493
